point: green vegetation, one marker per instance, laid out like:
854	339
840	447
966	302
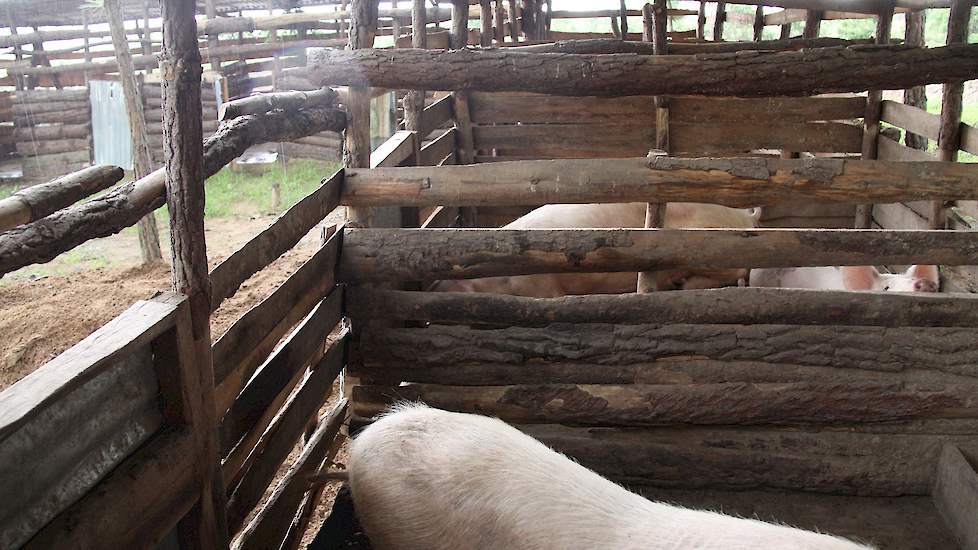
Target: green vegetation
231	193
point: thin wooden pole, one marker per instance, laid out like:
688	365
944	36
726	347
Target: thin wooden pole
949	136
758	23
149	236
813	23
206	526
701	21
485	23
395	23
654	18
785	31
213	40
499	17
86	46
18	51
514	22
623	10
459	36
874	103
414	100
718	22
916	96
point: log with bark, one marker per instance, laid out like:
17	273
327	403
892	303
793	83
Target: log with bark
373	255
735	182
43	240
611	46
751	73
34	203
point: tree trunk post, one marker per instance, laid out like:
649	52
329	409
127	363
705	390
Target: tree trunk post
813	23
395	23
916	96
874	104
655	21
499	18
718	22
485	23
414	99
623	10
205	527
949	135
758	23
149	236
701	21
459	36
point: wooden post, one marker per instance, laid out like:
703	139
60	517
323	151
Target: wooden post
485	23
38	57
19	52
718	22
414	99
499	17
916	96
87	47
813	23
623	10
949	135
785	31
758	23
874	102
395	23
514	22
654	18
205	526
149	236
213	40
459	35
701	21
146	35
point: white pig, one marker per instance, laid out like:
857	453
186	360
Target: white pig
551	285
918	278
426	479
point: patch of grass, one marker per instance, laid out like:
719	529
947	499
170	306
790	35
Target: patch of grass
239	193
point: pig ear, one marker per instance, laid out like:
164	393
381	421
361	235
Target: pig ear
925	272
859	277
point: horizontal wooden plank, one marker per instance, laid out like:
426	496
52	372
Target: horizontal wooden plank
510	108
714	306
969	139
714	138
776	109
737	182
274	240
435	152
260	400
635	353
277	442
394	151
433	254
898	216
436	115
732	403
914	119
711	459
608	138
956	495
888	149
239	351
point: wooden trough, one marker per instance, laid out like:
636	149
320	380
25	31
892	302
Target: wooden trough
852	413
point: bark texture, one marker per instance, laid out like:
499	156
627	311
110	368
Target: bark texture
38	201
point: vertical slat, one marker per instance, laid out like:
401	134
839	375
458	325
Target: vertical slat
459	36
205	527
701	21
758	23
718	22
485	23
871	121
414	99
949	137
500	20
813	23
916	96
514	22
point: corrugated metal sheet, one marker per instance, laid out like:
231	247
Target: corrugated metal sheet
110	124
50	462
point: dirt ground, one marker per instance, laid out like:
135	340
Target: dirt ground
47	309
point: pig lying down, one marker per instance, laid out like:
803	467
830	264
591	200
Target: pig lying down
918	278
425	479
572	216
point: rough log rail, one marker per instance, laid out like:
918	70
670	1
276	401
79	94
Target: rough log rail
748	73
612	46
736	182
42	240
720	306
33	203
419	255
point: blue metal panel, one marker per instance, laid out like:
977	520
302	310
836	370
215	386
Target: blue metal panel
110	124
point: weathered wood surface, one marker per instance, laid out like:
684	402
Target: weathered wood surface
151	488
51	147
717	138
412	255
955	495
259	401
612	348
844	463
731	403
105	388
887	149
437	150
736	182
262	103
714	306
36	202
614	46
246	344
282	435
436	115
969	139
274	240
395	150
53	132
804	72
911	118
269	526
43	240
